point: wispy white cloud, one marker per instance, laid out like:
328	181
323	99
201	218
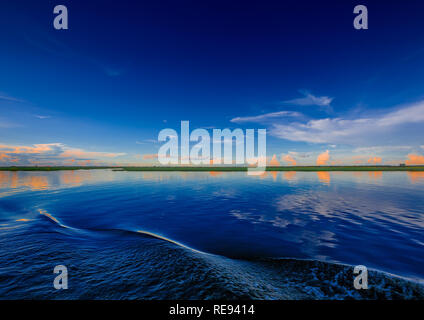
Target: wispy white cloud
42	117
9	98
310	100
82	154
300	154
147	141
411	114
266	117
361	130
382	149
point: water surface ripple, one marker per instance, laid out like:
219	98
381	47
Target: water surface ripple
199	235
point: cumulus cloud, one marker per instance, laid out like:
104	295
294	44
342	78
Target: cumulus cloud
323	158
288	158
266	117
374	160
274	162
415	159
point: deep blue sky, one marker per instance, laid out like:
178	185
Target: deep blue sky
127	69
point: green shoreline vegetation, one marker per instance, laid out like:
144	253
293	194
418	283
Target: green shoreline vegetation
224	168
19	168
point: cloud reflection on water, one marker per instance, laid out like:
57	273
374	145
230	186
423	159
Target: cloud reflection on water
39	180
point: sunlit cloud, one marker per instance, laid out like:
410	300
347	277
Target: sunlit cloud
288	158
323	158
415	159
274	162
34	149
4	156
374	160
150	156
51	154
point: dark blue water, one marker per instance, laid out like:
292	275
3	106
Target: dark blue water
152	235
